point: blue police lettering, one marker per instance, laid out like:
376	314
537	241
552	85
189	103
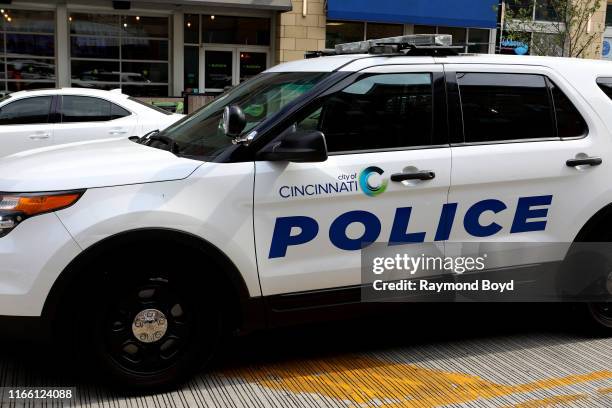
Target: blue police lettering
399	234
282	238
471	222
524	212
337	230
526	219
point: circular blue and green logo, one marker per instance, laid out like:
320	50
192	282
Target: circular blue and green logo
364	181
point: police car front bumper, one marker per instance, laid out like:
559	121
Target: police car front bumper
32	256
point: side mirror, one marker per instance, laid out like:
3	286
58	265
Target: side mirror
296	146
234	121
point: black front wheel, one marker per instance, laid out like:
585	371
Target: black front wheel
146	331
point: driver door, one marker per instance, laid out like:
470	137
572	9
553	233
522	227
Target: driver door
311	219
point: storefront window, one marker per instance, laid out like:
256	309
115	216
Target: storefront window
516	44
458	33
478	40
338	32
27	50
378	30
114	51
609	15
251	64
191	69
192	29
235	30
425	29
545	11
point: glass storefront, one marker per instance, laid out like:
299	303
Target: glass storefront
27	50
228	50
475	40
110	51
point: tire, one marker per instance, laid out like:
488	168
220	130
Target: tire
600	317
149	330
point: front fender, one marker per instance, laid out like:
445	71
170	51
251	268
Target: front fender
214	204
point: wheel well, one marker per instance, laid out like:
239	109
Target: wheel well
597	226
226	276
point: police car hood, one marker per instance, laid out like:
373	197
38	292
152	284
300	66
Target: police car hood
100	163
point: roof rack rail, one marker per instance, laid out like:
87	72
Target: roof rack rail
413	45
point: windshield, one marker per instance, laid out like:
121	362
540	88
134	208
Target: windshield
201	135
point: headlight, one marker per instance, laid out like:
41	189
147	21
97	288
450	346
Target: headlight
14	208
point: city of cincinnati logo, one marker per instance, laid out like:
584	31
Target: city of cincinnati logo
364	181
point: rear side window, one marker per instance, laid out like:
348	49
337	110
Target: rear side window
501	106
605	84
382	111
90	109
26	111
569	121
118	112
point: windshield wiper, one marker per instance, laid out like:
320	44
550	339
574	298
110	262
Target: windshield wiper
146	136
173	147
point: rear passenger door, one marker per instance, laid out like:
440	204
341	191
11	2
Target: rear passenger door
513	131
311	219
25	124
87	118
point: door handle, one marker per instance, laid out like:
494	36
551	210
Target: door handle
39	136
591	161
416	175
117	132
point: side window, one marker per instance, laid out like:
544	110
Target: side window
500	106
569	121
380	111
605	84
85	109
118	112
26	111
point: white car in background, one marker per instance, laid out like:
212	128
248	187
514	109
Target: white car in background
41	118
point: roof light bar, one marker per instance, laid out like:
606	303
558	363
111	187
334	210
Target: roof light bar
417	40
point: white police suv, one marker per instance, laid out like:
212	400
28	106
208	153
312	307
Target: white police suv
254	210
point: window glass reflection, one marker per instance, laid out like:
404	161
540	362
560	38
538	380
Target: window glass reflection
30	44
235	30
192	29
107	71
94	47
251	64
94	24
218	69
33	21
143	26
145	72
144	49
338	32
30	69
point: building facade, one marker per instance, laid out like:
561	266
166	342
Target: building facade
318	24
159	48
154	48
541	28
